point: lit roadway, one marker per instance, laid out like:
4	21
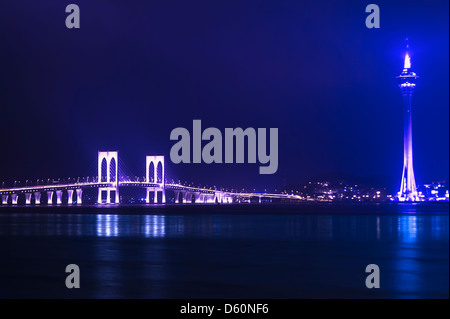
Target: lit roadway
174	187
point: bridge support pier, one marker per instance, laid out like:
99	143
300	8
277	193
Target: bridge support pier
14	198
116	196
69	196
27	198
5	199
219	197
50	197
58	197
79	194
147	195
183	197
37	198
108	195
155	195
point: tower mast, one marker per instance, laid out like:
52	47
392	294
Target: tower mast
407	82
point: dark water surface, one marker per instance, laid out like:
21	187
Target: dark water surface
225	251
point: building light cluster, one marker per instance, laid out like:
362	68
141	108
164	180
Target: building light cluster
434	192
326	191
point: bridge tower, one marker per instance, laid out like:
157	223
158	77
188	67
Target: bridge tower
108	176
154	173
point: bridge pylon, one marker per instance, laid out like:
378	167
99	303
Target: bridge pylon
154	173
108	173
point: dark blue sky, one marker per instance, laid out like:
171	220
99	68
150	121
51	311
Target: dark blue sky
137	69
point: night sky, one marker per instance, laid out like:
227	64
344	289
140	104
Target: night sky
135	70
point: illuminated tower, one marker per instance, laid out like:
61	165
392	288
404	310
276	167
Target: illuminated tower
408	189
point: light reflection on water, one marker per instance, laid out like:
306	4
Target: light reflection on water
406	228
126	225
107	225
295	255
155	226
410	277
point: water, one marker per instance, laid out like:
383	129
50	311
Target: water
244	251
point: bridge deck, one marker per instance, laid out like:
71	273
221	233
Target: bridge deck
174	187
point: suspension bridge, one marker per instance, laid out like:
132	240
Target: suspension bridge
109	184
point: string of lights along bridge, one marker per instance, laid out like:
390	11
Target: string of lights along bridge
108	183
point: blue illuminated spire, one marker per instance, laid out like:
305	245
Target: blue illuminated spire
407	82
